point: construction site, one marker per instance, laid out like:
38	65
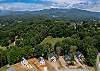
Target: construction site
34	64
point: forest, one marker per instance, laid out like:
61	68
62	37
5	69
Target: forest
25	37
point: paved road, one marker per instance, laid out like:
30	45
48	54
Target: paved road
11	69
67	69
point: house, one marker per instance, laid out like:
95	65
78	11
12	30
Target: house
42	61
68	59
43	66
80	57
52	57
24	61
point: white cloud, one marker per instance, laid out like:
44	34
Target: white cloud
22	6
94	8
81	4
68	1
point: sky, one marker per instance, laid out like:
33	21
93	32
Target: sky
34	5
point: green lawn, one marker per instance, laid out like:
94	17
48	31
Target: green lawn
51	40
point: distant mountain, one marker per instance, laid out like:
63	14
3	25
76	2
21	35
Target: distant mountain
9	12
57	13
69	13
5	12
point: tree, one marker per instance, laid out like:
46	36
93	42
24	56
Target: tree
3	57
4	43
91	55
14	55
58	48
73	51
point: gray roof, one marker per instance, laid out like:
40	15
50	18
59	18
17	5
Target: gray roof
51	55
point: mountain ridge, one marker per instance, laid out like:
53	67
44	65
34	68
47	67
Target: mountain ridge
72	13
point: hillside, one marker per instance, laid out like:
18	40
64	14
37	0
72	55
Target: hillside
69	14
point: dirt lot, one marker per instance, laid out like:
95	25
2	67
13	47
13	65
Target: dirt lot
51	66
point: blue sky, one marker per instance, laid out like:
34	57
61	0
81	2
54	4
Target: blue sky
23	1
35	1
33	5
